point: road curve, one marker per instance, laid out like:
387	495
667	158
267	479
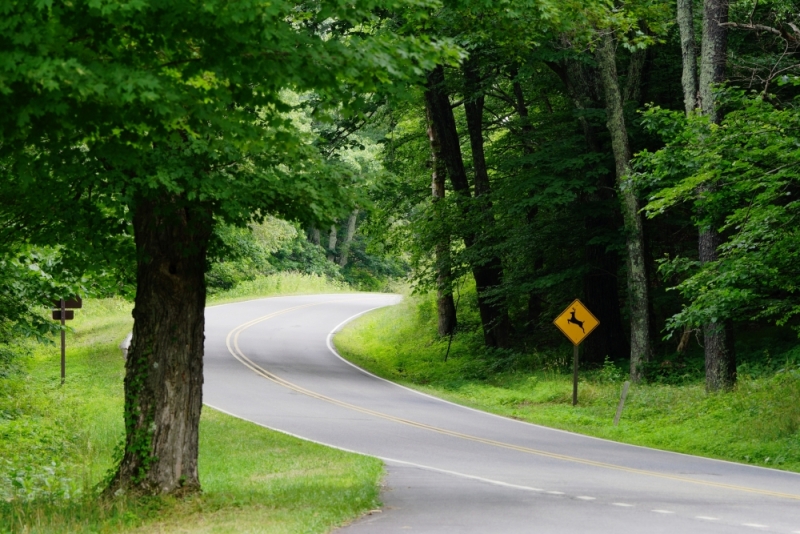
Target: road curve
454	469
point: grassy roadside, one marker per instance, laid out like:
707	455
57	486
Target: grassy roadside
758	423
284	283
57	443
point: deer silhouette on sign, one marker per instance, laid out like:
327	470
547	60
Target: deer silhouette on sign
575	321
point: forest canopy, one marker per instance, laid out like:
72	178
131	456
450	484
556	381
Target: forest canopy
641	156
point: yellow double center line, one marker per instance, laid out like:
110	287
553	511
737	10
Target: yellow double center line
232	342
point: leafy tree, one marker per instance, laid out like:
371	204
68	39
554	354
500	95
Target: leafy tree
160	119
751	160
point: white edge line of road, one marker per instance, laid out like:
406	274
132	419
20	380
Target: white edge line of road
384	459
329	342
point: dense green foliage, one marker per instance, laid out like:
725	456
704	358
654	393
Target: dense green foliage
751	158
548	210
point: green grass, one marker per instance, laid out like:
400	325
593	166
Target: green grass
57	443
284	283
758	423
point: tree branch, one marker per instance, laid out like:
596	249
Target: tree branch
761	27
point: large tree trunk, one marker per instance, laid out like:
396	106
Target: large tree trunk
445	125
718	338
164	368
445	306
348	238
488	275
638	290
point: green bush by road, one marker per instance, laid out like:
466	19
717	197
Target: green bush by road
57	443
757	423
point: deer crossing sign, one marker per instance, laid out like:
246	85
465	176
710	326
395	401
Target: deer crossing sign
576	322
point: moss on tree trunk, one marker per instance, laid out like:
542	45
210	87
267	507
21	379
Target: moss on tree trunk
164	369
638	291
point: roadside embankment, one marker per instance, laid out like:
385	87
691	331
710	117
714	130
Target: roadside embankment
757	423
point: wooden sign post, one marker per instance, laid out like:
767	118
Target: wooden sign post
576	322
64	315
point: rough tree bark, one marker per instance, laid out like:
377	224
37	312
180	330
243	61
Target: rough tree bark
444	123
348	238
445	306
713	55
717	337
685	18
489	275
164	368
638	290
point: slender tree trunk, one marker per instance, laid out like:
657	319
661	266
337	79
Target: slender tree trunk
314	235
688	55
164	368
717	338
638	290
713	55
444	124
489	275
332	243
633	82
348	238
524	116
445	306
601	284
534	299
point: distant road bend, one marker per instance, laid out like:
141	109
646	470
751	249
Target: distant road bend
454	469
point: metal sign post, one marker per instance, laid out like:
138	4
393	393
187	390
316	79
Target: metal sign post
64	315
576	322
63	341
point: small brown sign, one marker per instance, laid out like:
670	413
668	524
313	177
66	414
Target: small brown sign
71	302
68	315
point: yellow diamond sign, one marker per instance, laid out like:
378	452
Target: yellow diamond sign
576	322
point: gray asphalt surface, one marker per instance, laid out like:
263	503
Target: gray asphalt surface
453	469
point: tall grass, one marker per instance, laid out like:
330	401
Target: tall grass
283	283
758	423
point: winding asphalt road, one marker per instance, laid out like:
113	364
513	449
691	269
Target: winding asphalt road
453	469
